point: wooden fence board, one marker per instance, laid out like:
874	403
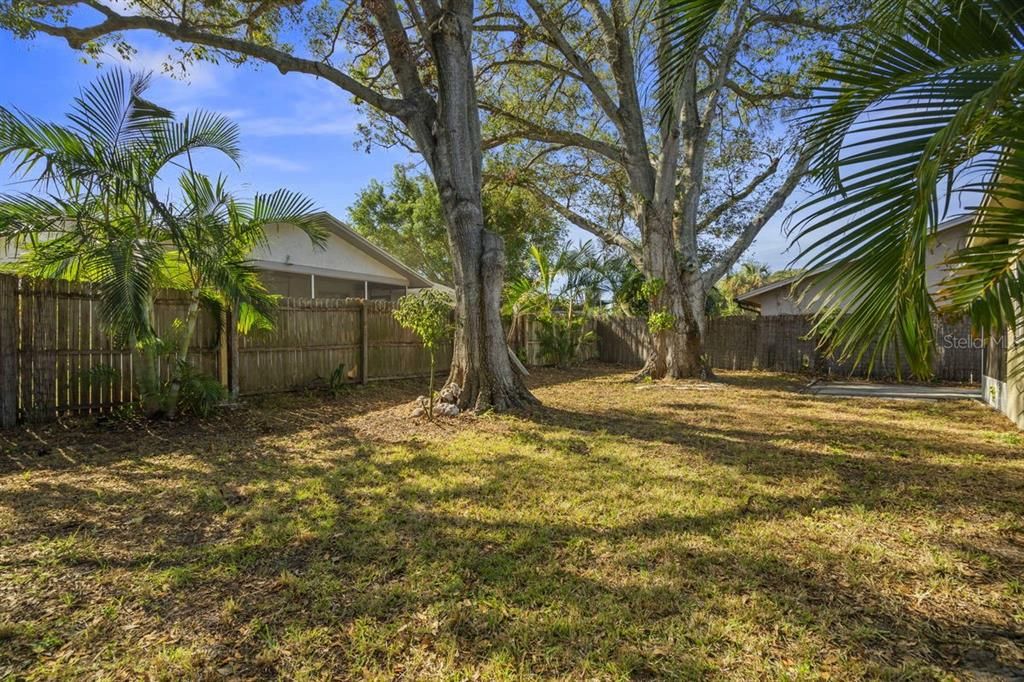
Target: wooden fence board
56	357
8	350
783	343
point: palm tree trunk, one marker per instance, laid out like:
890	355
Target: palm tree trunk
181	354
149	372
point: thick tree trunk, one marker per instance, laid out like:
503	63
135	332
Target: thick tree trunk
678	352
480	361
451	144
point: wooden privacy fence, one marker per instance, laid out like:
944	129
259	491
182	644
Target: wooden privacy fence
56	357
314	337
783	343
526	342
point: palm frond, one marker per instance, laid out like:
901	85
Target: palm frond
916	103
199	130
683	24
283	207
113	109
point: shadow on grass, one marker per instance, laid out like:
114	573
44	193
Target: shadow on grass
578	543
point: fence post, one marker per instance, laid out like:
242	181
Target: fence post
364	355
8	350
223	353
231	330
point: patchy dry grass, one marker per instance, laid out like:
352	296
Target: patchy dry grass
741	531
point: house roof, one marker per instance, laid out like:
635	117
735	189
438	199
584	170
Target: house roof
337	227
955	221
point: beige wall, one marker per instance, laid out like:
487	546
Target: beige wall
783	301
943	246
288	248
1002	384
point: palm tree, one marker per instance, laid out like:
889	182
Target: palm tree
926	105
564	286
749	276
922	105
94	211
96	215
213	235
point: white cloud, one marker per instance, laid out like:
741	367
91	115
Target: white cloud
305	106
298	123
174	85
276	162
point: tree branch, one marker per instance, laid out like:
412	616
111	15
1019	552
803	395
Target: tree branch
540	133
587	75
720	210
799	19
77	37
771	207
610	237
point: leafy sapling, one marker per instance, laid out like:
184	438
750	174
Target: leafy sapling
427	314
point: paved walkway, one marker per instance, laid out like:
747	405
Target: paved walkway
895	391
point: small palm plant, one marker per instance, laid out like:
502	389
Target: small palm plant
428	314
94	213
96	216
560	295
213	233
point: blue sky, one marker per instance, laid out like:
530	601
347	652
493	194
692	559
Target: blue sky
297	132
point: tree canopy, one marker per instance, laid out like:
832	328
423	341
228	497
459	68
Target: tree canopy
668	130
410	61
405	218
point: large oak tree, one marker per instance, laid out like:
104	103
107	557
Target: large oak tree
664	131
408	60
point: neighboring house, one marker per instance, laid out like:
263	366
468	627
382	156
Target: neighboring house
787	297
348	266
1002	379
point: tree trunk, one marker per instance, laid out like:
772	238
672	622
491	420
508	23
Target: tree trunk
149	381
677	352
480	358
430	387
181	354
149	373
451	144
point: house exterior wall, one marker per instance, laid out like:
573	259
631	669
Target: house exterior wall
1002	383
783	301
289	262
289	249
944	245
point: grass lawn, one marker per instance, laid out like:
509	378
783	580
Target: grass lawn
741	530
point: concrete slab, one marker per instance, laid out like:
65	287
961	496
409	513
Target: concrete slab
895	391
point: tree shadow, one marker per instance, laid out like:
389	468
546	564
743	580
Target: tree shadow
566	543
